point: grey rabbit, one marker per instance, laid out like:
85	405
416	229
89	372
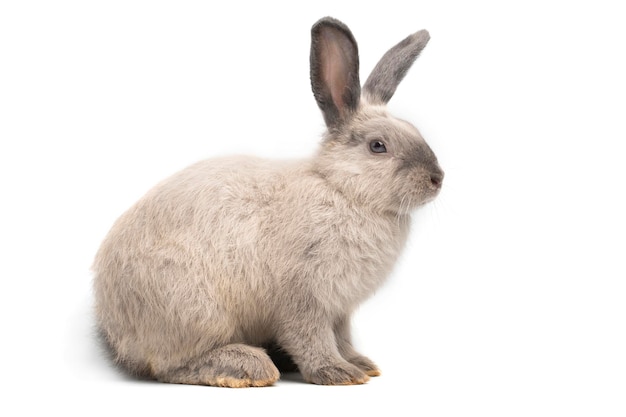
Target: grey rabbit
232	255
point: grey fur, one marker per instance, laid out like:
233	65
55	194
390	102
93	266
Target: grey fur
233	254
393	66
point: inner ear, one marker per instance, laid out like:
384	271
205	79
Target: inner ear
334	71
337	70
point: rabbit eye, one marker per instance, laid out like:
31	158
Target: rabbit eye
377	146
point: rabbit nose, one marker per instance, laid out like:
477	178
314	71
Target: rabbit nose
436	178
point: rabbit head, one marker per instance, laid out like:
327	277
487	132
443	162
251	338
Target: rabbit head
367	154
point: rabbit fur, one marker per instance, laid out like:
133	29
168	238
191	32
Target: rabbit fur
234	254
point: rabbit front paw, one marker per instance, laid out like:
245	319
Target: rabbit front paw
338	374
366	365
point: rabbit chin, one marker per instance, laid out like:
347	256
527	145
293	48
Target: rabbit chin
427	200
411	202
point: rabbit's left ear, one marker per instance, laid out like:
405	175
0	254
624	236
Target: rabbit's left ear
334	70
392	67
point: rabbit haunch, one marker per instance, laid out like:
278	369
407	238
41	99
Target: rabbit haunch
234	254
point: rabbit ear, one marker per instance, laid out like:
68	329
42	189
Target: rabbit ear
393	66
334	70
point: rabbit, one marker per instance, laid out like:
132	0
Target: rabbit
233	255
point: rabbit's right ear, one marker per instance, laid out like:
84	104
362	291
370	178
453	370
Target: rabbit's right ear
334	70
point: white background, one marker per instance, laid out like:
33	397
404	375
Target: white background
510	297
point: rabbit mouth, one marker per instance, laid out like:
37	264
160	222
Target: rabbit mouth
429	198
419	196
434	187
